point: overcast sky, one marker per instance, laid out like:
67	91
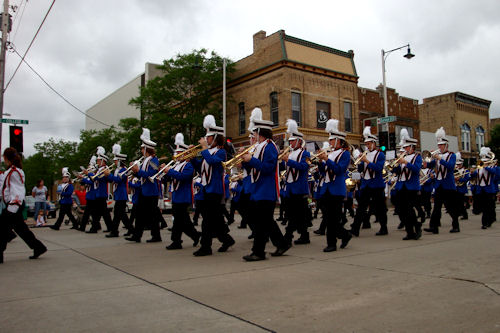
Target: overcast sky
87	49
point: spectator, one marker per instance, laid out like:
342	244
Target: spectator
39	192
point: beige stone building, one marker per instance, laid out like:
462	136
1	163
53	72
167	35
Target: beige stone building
292	78
463	116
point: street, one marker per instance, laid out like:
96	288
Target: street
89	283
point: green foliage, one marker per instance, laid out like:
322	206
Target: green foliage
178	101
494	142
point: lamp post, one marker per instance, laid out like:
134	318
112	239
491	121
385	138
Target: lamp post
385	54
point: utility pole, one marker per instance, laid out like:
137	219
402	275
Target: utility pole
5	32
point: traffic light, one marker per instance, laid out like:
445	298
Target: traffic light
16	138
392	141
383	139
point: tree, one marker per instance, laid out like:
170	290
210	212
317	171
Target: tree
494	142
178	100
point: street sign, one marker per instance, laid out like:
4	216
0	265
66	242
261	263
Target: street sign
14	121
385	120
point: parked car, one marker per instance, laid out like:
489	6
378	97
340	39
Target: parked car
30	204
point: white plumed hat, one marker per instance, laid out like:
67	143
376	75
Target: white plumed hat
101	153
179	143
405	139
293	130
65	172
146	139
211	127
441	136
117	153
367	134
332	128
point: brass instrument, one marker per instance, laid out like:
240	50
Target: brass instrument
100	173
129	169
358	160
159	175
395	162
315	157
491	161
235	177
282	174
459	173
283	153
237	159
350	184
188	153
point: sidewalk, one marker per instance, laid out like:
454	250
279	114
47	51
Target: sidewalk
86	282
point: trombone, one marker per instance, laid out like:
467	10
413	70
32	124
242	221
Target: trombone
237	159
100	173
188	153
127	171
160	174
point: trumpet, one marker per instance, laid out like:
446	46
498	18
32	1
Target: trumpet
236	177
358	160
188	153
160	173
100	173
129	169
283	153
315	157
237	159
395	162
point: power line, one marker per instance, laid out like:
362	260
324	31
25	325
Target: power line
55	91
20	18
32	41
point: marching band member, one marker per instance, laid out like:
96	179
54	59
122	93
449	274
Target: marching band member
408	185
13	193
235	189
297	187
90	193
426	188
100	183
120	194
445	189
461	183
66	201
263	166
487	187
320	181
212	179
148	196
134	186
198	197
372	186
333	191
181	174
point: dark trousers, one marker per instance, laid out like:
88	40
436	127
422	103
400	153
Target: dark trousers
213	221
487	202
425	199
101	210
182	223
461	201
244	209
449	199
15	221
133	216
265	228
120	215
333	217
87	213
146	215
65	209
232	209
224	211
322	203
297	216
376	198
407	202
197	210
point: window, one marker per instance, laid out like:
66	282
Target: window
241	117
465	136
348	116
322	114
274	108
479	137
296	109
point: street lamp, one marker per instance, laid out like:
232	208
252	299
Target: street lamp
385	54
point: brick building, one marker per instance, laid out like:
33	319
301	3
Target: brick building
371	107
292	78
463	116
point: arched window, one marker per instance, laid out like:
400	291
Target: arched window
465	136
479	137
241	117
273	102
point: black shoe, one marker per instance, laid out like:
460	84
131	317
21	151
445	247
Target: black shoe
465	217
1	258
66	222
154	240
283	222
401	225
169	229
345	241
195	223
112	234
280	251
433	230
251	236
408	237
382	232
196	239
418	235
366	226
226	246
242	227
484	227
54	227
279	218
301	241
454	230
129	233
174	246
133	239
107	230
163	226
354	232
253	257
91	231
74	227
38	252
203	252
319	232
330	249
230	222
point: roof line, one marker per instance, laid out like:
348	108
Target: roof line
316	46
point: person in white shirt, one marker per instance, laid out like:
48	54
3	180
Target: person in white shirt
13	193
